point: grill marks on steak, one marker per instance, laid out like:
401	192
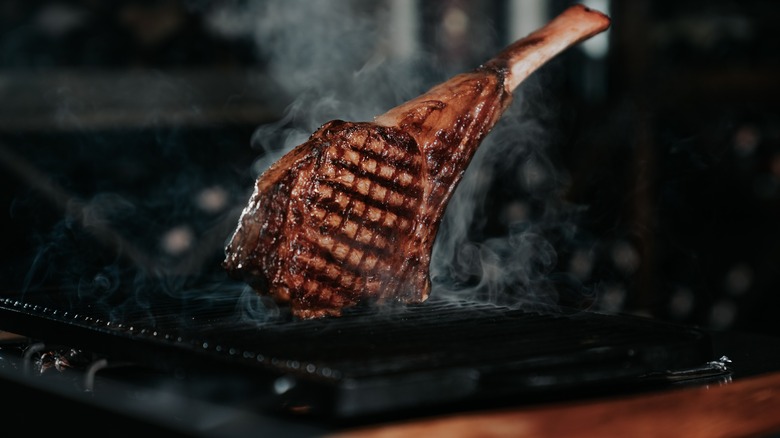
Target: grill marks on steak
357	207
351	215
331	237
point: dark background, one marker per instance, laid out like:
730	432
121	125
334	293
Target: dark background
131	133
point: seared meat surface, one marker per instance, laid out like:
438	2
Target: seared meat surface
351	215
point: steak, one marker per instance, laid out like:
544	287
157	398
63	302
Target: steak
350	216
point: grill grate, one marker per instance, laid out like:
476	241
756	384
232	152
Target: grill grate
371	361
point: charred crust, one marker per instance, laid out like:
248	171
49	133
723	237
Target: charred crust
375	226
399	138
400	211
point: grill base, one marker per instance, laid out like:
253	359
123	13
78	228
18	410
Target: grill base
436	355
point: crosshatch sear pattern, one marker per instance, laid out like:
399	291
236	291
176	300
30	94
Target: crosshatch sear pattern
356	212
351	215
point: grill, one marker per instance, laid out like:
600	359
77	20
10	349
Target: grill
370	363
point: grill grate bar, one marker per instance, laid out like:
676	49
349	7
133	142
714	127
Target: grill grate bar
377	349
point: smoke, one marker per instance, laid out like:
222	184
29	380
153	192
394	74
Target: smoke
505	237
499	238
508	232
123	252
333	57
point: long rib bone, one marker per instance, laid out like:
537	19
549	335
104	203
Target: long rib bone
350	216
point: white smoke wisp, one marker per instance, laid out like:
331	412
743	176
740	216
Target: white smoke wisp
332	57
497	240
335	61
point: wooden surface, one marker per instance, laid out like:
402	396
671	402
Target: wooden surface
746	408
